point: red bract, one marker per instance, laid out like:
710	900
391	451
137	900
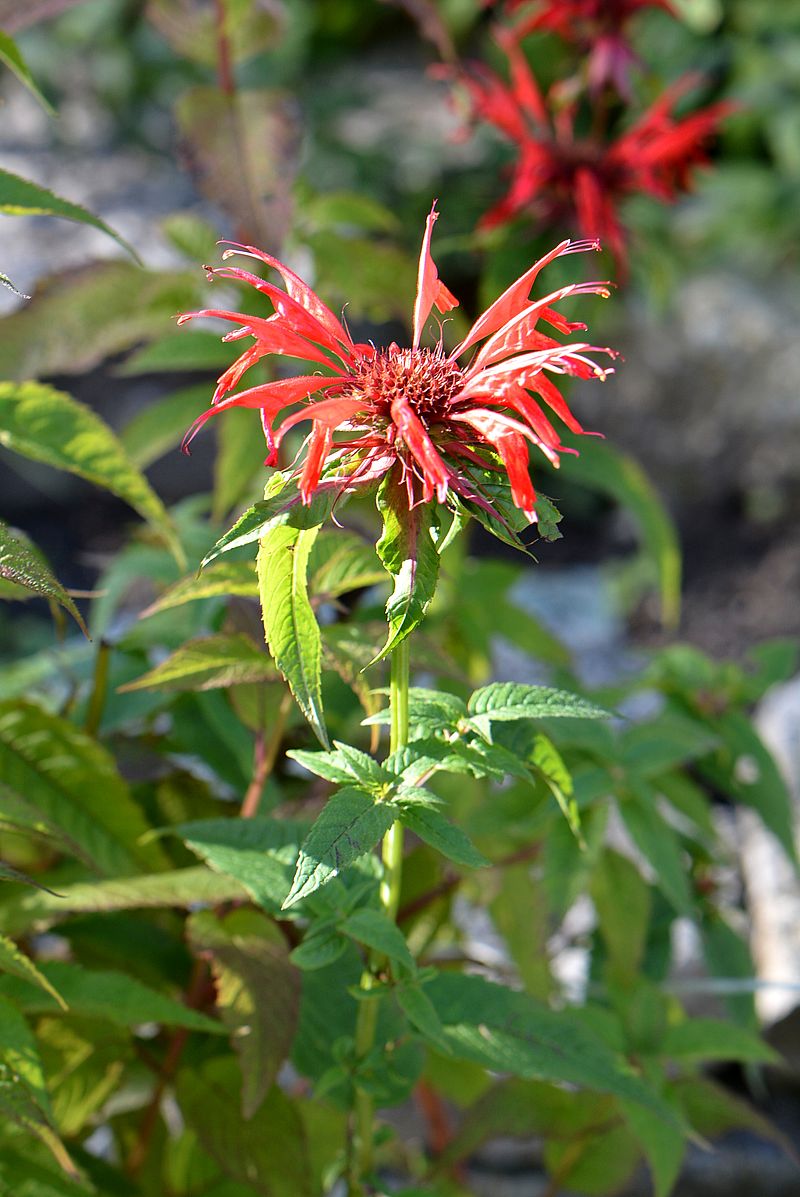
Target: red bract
419	408
561	177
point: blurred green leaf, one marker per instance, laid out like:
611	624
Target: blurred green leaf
249	960
181	350
710	1039
192	29
603	467
209	663
22	563
58	780
14	961
653	836
21	197
49	426
224	578
341	562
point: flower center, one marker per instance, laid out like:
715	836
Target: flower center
424	377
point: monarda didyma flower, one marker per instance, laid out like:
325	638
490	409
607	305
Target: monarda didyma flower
444	424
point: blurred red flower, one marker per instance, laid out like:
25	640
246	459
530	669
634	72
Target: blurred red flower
596	26
562	177
416	407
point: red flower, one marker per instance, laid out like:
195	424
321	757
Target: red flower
597	27
560	177
417	407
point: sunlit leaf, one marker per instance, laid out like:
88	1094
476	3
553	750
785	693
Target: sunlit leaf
49	426
208	663
14	961
24	565
21	197
10	55
409	554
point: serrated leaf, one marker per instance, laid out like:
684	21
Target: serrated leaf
258	993
697	1039
376	931
258	853
223	579
341	562
180	888
24	565
506	701
283	505
601	466
114	996
438	832
57	779
15	962
349	826
21	197
208	663
428	711
243	153
409	554
49	426
18	1107
508	1031
268	1154
330	765
290	625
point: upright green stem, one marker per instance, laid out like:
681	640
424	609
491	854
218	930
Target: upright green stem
392	854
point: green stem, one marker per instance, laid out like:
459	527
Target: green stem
392	854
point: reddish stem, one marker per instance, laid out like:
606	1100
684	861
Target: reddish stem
225	78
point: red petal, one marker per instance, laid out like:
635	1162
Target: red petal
430	291
272	397
411	429
318	446
329	413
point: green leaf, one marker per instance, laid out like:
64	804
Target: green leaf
429	711
282	506
622	900
21	197
664	1146
238	463
506	701
408	552
660	844
603	467
14	961
160	426
209	663
341	562
259	853
58	780
321	946
441	834
18	1051
421	1013
547	761
350	825
220	580
178	351
48	426
268	1154
374	929
180	888
116	997
508	1031
19	1107
728	959
24	565
290	626
10	55
698	1039
330	765
249	960
660	744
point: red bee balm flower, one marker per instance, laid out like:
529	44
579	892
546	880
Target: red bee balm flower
560	176
418	408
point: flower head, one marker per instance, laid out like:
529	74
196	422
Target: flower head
562	177
430	413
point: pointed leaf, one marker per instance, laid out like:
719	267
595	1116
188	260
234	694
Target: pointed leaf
208	663
21	197
24	565
18	1051
259	853
58	780
223	579
374	929
258	993
664	1146
441	834
49	426
508	1031
350	826
710	1039
114	996
282	505
341	562
660	844
290	626
409	554
504	701
14	961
